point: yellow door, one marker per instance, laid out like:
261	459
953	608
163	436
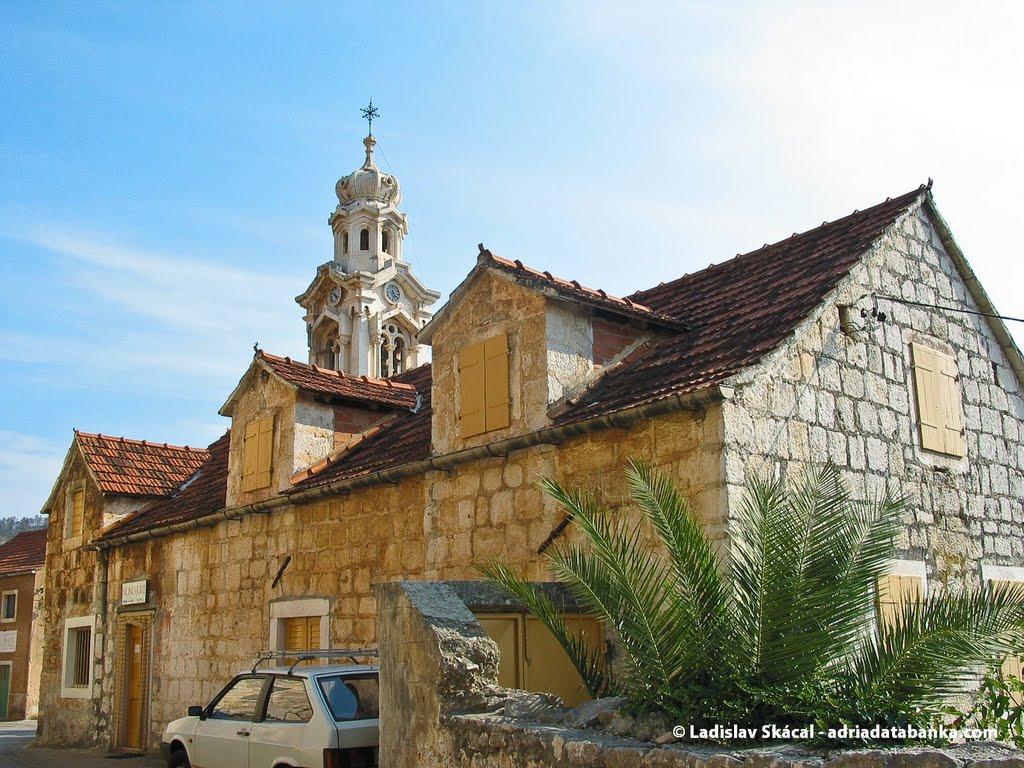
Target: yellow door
133	640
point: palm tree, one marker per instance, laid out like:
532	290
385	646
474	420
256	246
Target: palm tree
782	632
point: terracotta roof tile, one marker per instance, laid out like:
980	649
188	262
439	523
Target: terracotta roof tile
138	467
573	291
203	493
25	552
310	378
739	310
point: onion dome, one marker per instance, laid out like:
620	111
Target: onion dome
369	182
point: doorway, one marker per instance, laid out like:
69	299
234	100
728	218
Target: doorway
5	689
134	637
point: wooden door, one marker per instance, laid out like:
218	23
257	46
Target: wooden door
5	690
134	635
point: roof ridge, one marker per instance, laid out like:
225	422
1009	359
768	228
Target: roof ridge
922	189
574	284
130	441
386	383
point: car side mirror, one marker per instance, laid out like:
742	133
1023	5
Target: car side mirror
195	711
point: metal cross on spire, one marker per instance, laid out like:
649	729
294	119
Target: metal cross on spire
370	112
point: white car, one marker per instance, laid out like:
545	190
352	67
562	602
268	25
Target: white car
300	716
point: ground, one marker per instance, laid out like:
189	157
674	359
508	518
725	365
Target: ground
16	752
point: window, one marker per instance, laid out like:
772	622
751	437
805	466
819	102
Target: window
936	384
351	697
76	681
484	385
1001	576
904	584
9	606
75	511
531	658
392	351
344	242
238	701
257	452
364	240
288	702
385	241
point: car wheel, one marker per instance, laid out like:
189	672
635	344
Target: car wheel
179	759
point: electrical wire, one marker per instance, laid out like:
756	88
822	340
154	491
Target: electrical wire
950	309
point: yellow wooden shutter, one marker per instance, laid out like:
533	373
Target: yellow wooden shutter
78	513
895	591
949	405
264	451
249	456
929	410
1012	666
471	386
548	668
496	386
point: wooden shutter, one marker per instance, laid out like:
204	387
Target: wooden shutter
929	414
505	631
895	591
949	405
78	513
496	385
257	453
471	387
1012	666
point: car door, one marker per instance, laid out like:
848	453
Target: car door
222	736
283	733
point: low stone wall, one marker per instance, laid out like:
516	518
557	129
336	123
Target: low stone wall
440	705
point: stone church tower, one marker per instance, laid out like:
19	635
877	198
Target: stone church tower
364	307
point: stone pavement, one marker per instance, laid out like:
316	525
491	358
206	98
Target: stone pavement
16	752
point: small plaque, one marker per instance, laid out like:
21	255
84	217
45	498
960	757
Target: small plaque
8	641
134	592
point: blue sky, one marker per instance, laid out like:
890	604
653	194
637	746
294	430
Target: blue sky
166	169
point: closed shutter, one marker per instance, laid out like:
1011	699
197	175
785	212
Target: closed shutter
896	591
471	386
496	385
257	453
949	405
302	633
929	413
1011	666
78	513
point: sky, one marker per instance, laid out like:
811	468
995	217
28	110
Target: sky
167	169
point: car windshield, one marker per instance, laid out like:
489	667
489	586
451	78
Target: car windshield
350	697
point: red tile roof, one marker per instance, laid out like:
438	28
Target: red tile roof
25	552
739	310
573	291
138	467
203	493
312	378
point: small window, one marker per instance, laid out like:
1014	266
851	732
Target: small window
238	701
344	242
937	387
75	510
9	606
364	240
288	702
385	241
78	658
351	697
257	453
484	386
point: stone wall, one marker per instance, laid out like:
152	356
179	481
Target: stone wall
827	395
440	705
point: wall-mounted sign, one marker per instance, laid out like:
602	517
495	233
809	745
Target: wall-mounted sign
134	592
8	641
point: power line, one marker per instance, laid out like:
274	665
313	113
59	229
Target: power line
951	309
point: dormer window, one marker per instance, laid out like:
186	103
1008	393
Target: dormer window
364	239
385	241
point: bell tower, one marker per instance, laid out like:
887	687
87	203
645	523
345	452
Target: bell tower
364	307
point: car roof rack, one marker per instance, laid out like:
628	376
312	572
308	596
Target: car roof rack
311	654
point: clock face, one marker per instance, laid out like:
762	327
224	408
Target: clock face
335	296
392	292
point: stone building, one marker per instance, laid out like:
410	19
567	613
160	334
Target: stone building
866	341
21	586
